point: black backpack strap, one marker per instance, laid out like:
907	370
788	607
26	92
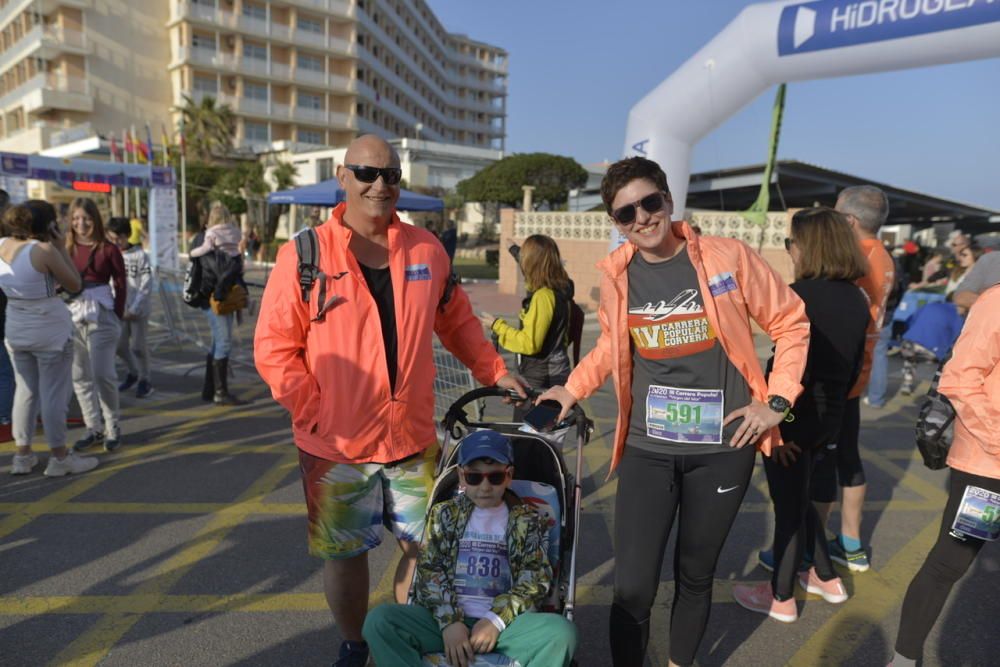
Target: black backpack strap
307	248
449	289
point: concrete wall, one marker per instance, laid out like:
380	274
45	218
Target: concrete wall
584	239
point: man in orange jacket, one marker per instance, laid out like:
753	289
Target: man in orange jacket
354	366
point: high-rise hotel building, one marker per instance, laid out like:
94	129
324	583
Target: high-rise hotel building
302	72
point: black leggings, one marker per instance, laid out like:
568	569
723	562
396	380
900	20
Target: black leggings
706	491
796	522
845	467
947	562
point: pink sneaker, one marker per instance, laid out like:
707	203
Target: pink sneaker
833	591
760	598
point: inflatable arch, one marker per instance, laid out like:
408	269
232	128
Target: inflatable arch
792	40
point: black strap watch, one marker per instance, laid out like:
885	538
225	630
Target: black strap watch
779	404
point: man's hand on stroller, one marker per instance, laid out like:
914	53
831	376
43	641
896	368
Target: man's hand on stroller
560	395
484	636
514	384
457	648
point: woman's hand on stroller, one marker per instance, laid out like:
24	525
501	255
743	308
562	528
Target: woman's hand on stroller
515	385
562	396
484	636
457	648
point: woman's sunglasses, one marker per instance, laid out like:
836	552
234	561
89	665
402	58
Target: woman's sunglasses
789	242
366	174
626	215
476	478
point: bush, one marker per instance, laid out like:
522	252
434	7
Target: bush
493	257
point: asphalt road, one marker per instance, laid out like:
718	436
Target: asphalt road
187	547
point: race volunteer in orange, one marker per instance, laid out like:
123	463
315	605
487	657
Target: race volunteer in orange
356	372
866	208
676	337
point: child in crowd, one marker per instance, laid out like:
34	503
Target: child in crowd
482	571
132	346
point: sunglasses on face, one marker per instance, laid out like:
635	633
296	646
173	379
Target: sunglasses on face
366	174
789	242
476	478
627	214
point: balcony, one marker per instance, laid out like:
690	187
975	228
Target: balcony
45	42
469	81
341	8
319	79
44	92
206	57
310	116
493	66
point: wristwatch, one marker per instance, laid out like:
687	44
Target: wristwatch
779	404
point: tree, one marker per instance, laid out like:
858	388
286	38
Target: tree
208	129
283	175
552	175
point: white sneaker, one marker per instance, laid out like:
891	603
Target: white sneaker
22	465
71	464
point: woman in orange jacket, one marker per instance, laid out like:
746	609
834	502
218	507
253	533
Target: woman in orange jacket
971	380
675	312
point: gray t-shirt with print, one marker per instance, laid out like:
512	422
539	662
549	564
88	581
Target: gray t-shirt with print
683	384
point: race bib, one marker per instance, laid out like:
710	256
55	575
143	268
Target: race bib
685	415
978	514
482	571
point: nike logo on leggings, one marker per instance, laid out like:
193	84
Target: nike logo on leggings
722	490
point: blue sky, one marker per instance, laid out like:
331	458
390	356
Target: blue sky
576	67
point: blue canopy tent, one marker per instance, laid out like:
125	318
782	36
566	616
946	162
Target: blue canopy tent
329	193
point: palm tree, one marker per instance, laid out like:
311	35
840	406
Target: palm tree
208	129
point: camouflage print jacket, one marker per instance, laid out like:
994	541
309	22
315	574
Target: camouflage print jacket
527	544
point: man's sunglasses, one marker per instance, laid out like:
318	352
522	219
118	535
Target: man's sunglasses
626	215
366	174
476	478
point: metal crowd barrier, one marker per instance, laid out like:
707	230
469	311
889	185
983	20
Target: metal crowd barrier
175	321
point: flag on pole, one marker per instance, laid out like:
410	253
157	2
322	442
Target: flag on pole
115	151
137	146
166	144
757	213
149	145
129	146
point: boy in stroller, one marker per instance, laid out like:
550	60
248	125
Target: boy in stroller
482	570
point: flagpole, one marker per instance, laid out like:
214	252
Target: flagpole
184	236
138	205
125	197
115	209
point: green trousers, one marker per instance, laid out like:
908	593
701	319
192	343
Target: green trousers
399	635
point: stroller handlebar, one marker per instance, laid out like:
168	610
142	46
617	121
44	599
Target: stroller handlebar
456	413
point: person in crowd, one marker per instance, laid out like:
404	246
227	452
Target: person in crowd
827	261
984	274
222	257
132	346
462	612
97	312
971	381
965	259
6	369
542	339
676	337
929	336
958	241
933	274
354	365
33	259
866	208
137	232
449	239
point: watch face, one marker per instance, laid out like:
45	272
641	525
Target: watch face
778	403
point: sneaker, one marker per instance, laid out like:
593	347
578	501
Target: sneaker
760	599
114	440
129	381
856	561
765	558
832	591
352	654
70	464
22	465
906	389
92	438
144	389
874	406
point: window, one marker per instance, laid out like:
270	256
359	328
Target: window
324	165
310	100
204	84
203	42
254	51
255	91
314	63
255	11
255	131
310	24
313	137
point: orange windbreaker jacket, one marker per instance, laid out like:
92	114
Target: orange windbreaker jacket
332	376
971	381
759	293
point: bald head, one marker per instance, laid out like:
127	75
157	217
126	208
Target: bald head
371	149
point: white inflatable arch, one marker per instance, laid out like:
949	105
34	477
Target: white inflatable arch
792	40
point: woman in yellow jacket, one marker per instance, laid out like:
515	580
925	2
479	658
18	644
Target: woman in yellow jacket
971	381
541	341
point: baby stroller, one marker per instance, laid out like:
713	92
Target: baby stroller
929	336
541	478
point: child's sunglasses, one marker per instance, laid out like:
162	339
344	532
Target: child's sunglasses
366	174
626	215
476	478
